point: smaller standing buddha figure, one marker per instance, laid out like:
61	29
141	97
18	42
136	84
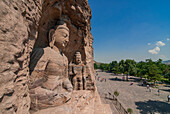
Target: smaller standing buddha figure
77	72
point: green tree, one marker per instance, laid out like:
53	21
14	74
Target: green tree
167	76
130	67
103	66
142	69
167	73
130	110
114	67
154	73
116	93
96	66
122	66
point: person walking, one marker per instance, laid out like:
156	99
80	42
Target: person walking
158	92
147	86
149	89
168	98
105	79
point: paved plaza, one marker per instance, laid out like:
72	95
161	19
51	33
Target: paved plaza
135	96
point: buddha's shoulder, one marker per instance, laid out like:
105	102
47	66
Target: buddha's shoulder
48	53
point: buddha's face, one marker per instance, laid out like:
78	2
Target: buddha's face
78	58
61	37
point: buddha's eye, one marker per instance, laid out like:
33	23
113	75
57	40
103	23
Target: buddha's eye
65	35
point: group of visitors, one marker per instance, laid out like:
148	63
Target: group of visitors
148	87
100	79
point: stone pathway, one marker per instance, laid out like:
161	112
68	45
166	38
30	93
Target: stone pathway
113	108
134	96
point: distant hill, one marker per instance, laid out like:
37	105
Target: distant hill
98	63
167	62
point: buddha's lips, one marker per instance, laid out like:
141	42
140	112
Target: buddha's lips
64	43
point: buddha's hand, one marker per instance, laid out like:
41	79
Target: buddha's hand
67	85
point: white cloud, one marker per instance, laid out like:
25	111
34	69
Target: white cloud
167	39
156	50
160	43
149	44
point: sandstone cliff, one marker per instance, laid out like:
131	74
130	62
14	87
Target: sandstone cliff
24	26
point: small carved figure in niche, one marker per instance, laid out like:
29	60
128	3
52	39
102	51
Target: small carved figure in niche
77	73
49	82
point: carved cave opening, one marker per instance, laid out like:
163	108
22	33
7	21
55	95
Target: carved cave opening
52	13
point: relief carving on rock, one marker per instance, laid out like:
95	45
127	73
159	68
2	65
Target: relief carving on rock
49	83
77	72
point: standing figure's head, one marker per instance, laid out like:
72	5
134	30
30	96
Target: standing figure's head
59	36
77	57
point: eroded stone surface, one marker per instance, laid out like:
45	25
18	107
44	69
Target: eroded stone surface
86	102
24	28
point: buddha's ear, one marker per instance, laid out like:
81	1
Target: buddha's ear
50	38
51	32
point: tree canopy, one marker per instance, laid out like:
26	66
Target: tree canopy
152	70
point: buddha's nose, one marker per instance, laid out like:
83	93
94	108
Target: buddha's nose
67	40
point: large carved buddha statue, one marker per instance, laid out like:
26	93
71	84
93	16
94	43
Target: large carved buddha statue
49	83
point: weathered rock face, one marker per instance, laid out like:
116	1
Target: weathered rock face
25	28
18	32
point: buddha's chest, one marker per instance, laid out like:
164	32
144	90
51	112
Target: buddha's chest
78	69
52	61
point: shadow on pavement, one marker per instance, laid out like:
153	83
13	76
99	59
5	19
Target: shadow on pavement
167	85
129	79
140	82
167	90
152	107
115	79
135	79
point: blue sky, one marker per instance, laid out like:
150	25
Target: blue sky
130	29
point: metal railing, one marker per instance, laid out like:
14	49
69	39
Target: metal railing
114	101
